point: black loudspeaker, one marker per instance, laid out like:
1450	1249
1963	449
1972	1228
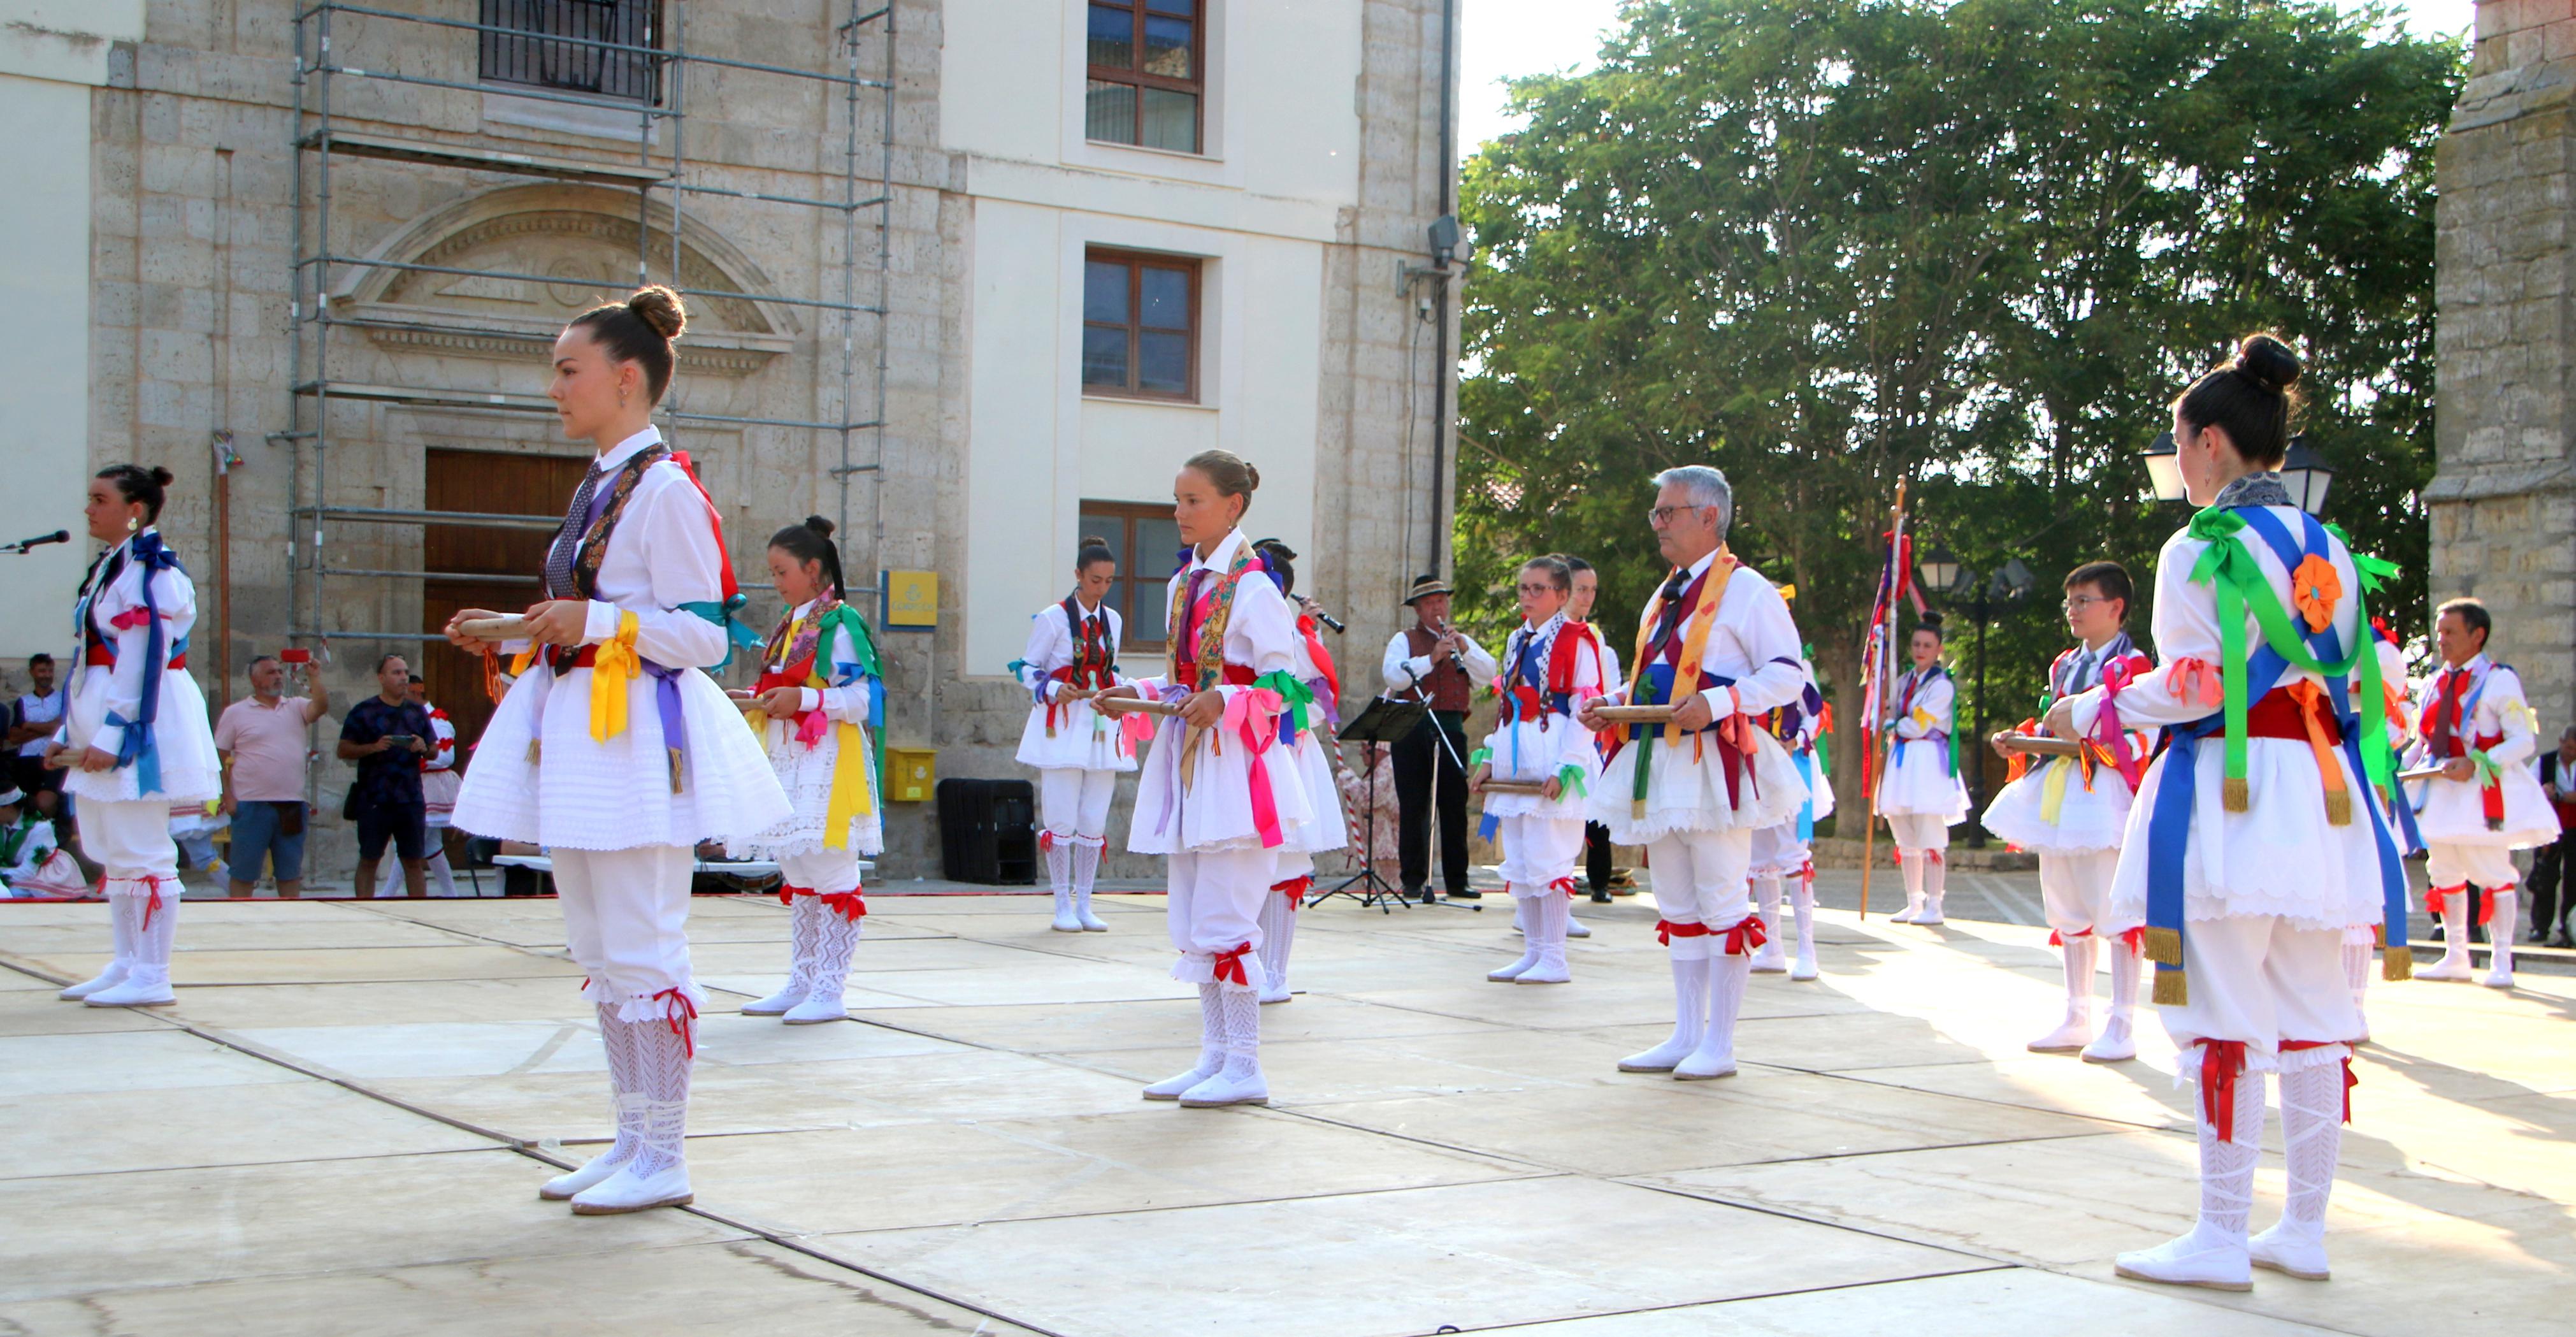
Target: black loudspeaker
988	831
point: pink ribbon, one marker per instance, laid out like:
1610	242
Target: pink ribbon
1250	712
810	727
2107	733
2188	677
130	619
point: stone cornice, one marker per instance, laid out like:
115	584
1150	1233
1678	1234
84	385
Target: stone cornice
2481	482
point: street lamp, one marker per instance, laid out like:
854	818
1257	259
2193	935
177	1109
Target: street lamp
2007	587
2304	470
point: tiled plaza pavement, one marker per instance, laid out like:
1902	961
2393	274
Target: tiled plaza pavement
341	1128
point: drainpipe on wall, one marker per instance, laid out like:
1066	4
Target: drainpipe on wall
1440	359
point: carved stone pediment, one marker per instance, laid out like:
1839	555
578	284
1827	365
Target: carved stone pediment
547	254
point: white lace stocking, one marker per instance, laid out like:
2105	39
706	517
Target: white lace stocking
1278	927
804	931
1242	1019
1913	862
1936	878
662	1067
2501	905
2312	1095
2227	1168
1802	906
836	940
1766	894
625	1101
150	944
1727	973
1059	862
1086	866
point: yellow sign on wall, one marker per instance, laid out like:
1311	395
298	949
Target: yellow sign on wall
912	600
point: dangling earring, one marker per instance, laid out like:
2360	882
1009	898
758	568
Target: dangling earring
621	396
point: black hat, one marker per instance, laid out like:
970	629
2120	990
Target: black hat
1424	586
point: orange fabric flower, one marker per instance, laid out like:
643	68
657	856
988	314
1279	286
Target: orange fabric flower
2315	588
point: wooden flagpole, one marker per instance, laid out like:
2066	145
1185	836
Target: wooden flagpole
1898	582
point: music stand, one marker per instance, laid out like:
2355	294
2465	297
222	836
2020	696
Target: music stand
1385	721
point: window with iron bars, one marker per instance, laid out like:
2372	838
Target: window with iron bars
535	61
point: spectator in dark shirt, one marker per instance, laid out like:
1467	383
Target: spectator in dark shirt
387	734
2550	874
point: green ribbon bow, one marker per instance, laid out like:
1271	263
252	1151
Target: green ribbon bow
1569	779
2228	565
1294	697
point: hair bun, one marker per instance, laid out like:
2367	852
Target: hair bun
1930	621
1091	541
1252	474
163	476
660	310
2267	362
819	525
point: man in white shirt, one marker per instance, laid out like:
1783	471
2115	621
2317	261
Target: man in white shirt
1431	663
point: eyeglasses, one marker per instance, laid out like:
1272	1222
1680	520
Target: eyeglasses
1663	515
2076	601
1542	588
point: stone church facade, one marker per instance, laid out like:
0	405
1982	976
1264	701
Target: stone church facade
1011	180
2503	499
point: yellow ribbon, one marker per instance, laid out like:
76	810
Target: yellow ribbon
614	666
2052	791
850	798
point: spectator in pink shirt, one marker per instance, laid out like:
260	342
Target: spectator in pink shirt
265	749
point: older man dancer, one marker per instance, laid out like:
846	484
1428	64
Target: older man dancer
1717	645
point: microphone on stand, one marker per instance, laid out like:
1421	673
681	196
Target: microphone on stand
22	545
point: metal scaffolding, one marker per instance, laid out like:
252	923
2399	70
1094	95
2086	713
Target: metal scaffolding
556	51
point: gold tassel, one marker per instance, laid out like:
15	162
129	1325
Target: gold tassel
533	745
2164	946
2397	963
2232	795
1636	810
2338	807
2171	989
675	768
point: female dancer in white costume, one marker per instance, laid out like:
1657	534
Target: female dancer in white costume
1079	753
134	734
2253	843
614	749
1295	875
1217	796
818	705
1919	793
1549	667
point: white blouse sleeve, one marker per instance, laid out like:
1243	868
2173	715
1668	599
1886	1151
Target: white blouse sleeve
679	535
2186	628
1038	657
2512	716
1768	638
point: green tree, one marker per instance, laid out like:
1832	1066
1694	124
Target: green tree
1978	246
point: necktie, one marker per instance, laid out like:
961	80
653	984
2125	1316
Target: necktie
559	558
1672	610
2083	671
2446	709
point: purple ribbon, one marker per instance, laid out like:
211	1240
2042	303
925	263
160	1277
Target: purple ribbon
666	698
1170	758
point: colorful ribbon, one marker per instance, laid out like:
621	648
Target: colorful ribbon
612	670
1228	965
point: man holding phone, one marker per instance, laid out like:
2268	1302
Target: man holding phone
387	735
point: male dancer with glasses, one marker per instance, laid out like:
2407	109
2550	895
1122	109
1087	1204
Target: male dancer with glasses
2072	812
1716	644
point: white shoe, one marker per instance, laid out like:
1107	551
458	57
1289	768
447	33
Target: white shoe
592	1171
1066	921
1706	1062
819	1008
1171	1088
106	979
1931	915
2287	1248
133	993
2498	979
2071	1035
2194	1259
626	1191
777	1004
2448	968
1906	915
1091	923
1770	960
1278	995
1805	966
1546	972
1248	1089
2114	1045
1507	974
1574	928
